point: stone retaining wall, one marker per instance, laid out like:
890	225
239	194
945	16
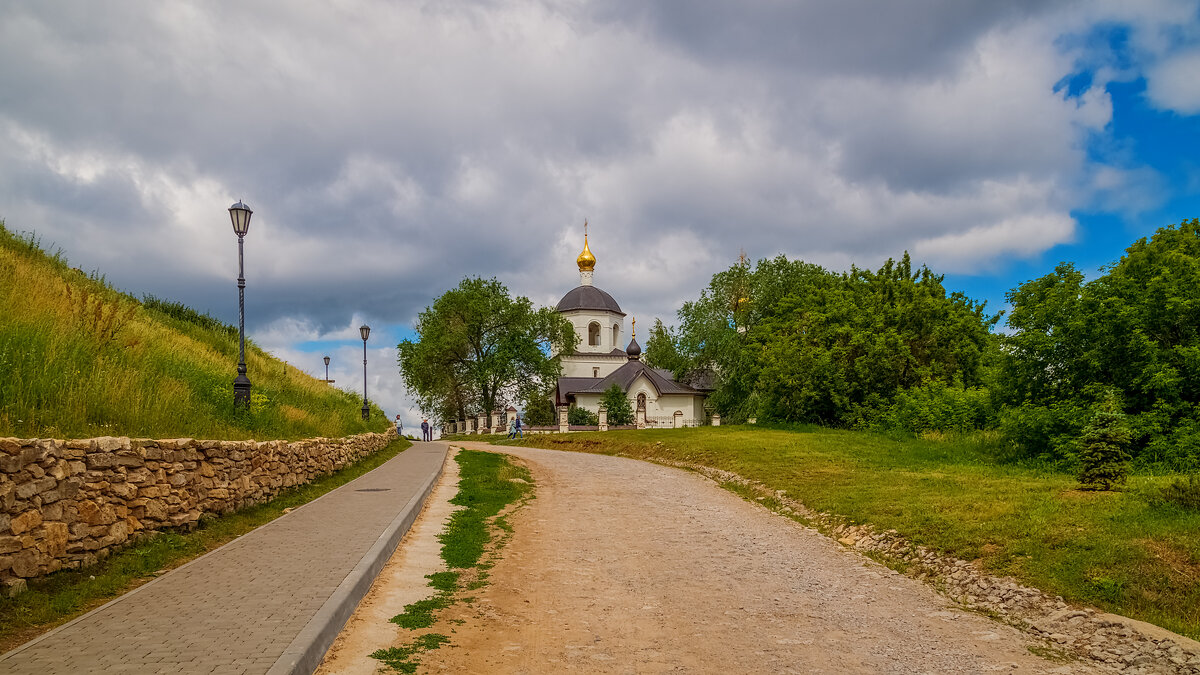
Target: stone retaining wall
67	504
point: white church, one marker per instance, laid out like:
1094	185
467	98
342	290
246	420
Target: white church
599	360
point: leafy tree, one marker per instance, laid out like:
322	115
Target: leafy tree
790	341
1104	463
1135	329
715	330
1049	338
619	410
478	349
582	416
539	411
661	350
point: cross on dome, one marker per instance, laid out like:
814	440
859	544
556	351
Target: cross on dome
586	261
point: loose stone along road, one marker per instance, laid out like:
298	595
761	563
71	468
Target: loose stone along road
624	566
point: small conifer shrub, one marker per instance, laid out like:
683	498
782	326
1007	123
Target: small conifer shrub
1104	458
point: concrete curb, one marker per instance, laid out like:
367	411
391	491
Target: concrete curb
124	597
304	654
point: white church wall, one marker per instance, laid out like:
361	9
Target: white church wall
662	411
582	319
593	366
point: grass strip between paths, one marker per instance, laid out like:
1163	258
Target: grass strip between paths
488	484
1126	552
65	595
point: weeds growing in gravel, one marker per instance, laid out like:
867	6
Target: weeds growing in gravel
488	483
402	659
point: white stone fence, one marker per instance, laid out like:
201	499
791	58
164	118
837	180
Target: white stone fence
496	423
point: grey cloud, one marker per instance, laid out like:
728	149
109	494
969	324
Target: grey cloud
389	149
843	38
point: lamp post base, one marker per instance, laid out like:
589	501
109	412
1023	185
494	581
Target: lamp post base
241	391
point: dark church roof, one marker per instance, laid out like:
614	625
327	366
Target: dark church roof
588	297
623	377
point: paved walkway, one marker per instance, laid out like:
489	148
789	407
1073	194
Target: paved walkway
262	603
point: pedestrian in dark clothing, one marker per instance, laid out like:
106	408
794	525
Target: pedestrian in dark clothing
425	435
518	428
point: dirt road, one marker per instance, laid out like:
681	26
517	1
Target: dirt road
620	566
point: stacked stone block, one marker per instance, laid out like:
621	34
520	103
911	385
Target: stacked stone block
67	504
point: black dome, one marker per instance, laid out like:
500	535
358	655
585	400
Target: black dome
634	350
588	297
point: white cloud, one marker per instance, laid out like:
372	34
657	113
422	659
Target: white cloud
1174	84
389	149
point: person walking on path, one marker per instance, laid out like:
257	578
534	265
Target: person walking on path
399	426
517	428
425	430
512	427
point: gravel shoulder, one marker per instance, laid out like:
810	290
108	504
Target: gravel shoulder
625	566
401	581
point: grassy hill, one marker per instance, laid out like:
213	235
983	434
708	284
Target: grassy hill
79	358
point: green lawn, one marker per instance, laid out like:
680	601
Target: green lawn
1114	550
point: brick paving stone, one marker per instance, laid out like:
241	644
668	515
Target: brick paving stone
208	616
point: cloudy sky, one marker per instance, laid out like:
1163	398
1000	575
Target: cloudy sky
390	148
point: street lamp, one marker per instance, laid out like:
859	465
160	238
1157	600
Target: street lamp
327	369
365	331
239	213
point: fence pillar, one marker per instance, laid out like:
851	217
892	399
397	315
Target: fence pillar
641	418
494	422
564	424
716	419
603	418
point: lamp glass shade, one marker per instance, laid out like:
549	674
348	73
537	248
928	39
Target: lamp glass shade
365	331
239	213
326	360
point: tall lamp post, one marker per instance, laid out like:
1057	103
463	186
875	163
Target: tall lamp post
365	331
239	213
326	368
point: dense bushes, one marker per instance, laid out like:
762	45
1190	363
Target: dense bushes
1134	330
891	349
792	342
582	417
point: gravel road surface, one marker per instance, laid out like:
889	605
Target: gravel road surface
621	566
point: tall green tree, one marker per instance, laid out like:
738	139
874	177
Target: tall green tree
478	349
1135	329
661	350
791	341
539	410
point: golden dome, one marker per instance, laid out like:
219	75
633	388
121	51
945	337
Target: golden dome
586	261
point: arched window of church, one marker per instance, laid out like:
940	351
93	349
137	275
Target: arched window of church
594	334
616	334
641	401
